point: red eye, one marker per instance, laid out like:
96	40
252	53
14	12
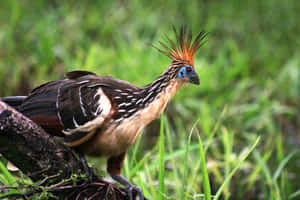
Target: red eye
188	69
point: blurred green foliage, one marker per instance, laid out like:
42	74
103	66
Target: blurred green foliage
249	63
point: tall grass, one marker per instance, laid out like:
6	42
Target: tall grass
182	182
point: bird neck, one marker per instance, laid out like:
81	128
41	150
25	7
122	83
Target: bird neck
163	86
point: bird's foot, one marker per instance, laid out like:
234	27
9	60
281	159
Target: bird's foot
88	170
130	188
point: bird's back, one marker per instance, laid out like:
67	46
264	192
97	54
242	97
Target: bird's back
63	107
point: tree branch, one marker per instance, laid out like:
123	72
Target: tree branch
39	155
31	149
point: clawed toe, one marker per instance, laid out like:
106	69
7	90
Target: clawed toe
131	188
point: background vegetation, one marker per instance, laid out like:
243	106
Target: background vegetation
250	85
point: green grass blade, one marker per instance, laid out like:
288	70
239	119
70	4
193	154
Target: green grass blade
7	176
220	190
135	150
180	152
126	168
170	140
294	195
150	183
185	163
275	193
139	165
206	184
142	186
161	173
227	142
282	165
257	170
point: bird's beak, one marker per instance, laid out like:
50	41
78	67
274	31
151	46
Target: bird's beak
194	78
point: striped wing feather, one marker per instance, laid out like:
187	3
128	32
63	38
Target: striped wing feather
75	107
83	108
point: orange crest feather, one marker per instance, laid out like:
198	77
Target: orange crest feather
183	48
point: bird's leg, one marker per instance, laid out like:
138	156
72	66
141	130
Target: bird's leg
114	165
88	170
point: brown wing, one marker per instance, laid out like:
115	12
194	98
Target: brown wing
74	107
40	106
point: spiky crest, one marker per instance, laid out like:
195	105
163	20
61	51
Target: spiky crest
183	48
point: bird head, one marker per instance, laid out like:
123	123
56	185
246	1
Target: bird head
182	51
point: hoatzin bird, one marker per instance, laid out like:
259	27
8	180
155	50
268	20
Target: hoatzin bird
103	116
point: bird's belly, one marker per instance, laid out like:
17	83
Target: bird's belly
113	141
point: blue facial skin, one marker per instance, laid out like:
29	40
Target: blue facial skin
188	71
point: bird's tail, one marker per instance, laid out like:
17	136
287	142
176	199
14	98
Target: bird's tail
14	101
